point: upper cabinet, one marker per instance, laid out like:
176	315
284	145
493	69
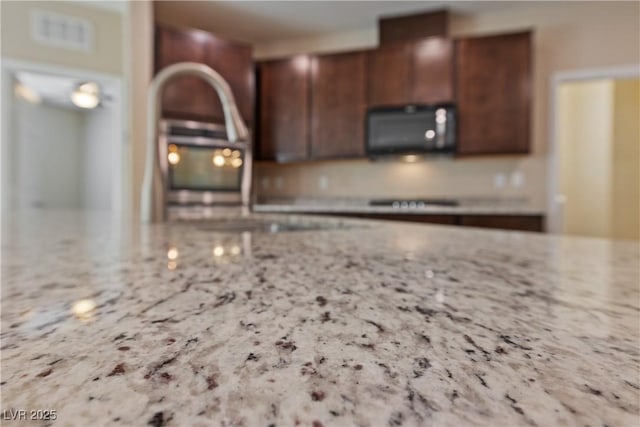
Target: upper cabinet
234	62
412	27
338	105
189	97
493	82
433	71
314	107
283	109
390	73
419	72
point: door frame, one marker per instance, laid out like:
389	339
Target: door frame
121	194
554	203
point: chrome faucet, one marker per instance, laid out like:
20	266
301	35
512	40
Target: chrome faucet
153	199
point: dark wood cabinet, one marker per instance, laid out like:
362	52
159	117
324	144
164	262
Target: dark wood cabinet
413	27
189	97
503	222
338	105
284	109
506	222
234	62
493	83
433	71
419	72
321	114
184	96
390	75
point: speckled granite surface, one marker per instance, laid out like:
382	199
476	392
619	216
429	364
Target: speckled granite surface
380	324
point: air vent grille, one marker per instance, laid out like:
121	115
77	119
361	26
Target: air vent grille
62	31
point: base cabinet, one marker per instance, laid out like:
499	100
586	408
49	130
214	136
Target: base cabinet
503	222
506	222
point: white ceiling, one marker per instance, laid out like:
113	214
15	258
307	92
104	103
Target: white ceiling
268	21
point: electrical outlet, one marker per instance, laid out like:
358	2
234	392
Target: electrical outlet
517	179
499	180
279	182
323	182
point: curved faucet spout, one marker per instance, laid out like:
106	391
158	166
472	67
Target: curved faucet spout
153	200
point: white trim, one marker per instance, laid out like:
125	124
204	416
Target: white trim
117	6
41	67
554	210
121	196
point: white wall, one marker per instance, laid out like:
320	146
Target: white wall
64	158
48	153
99	144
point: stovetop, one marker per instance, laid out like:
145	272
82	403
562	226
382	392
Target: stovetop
413	203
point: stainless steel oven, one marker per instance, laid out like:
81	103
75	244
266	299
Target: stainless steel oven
201	166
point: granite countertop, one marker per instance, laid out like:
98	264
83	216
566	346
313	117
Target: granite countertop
467	206
350	323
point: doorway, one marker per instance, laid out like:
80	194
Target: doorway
597	157
63	142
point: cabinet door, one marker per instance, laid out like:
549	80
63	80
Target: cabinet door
183	96
189	97
389	75
338	105
284	109
234	63
505	222
494	94
433	60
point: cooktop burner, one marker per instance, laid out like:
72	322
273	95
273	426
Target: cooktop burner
413	203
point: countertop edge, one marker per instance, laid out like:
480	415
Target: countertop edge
431	210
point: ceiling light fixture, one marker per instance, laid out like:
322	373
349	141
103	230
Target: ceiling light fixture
86	95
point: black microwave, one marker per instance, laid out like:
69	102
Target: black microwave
411	129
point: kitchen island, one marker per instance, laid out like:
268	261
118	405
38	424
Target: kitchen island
284	320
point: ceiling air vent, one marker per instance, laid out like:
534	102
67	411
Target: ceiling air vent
63	31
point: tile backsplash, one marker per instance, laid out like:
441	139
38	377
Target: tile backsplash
507	177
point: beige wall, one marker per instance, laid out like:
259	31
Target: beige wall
567	36
585	133
599	157
349	40
107	55
625	215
